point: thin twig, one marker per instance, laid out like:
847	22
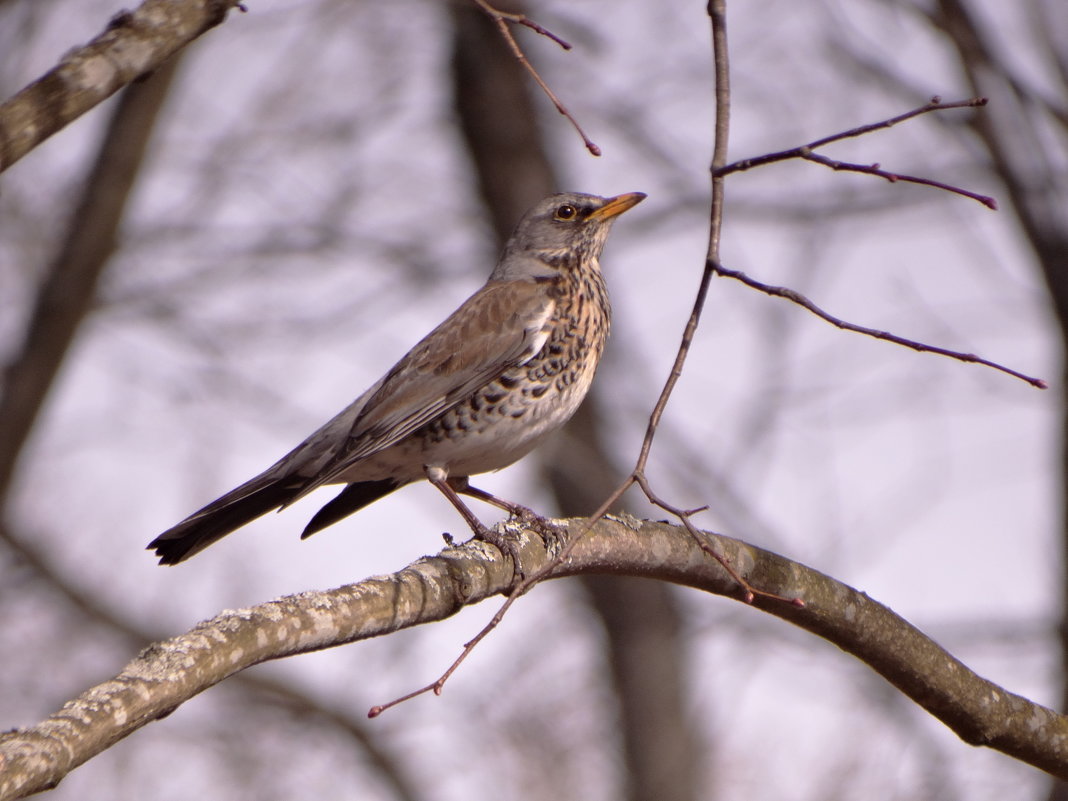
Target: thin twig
796	297
502	18
717	11
718	14
893	177
518	591
807	153
935	104
521	19
749	592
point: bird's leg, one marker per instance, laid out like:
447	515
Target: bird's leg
436	476
550	533
461	485
505	544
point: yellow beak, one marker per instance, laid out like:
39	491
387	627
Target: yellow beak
617	205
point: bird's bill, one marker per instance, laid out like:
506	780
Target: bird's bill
617	205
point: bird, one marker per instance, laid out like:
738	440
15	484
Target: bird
507	368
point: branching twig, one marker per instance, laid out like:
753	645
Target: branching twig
796	297
934	104
893	177
502	18
718	14
749	592
521	19
806	151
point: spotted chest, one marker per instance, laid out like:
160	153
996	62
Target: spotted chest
507	417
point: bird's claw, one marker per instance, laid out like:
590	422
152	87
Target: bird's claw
507	544
553	535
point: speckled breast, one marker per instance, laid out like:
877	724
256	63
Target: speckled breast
509	416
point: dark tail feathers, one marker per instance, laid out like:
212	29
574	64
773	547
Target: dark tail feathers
351	499
244	505
218	519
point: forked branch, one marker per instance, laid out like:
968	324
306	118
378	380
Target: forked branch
796	297
807	152
502	19
717	11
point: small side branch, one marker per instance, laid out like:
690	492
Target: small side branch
749	592
807	153
894	177
796	297
502	19
717	13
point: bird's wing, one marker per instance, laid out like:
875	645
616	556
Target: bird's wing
503	325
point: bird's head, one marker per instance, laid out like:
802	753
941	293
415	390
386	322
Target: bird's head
560	233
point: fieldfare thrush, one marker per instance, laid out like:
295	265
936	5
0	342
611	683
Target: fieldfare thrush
507	368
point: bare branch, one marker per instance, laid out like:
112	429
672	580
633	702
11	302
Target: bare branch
521	19
134	43
502	19
169	673
935	104
706	545
894	177
796	297
259	688
718	14
806	151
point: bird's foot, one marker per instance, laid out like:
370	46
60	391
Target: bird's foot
553	535
507	543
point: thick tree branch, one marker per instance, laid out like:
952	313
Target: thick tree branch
134	43
169	673
259	689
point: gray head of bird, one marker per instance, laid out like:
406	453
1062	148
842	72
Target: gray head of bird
560	233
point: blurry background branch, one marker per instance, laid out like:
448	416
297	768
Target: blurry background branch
1022	135
67	291
68	287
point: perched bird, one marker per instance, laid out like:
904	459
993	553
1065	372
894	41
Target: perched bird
507	368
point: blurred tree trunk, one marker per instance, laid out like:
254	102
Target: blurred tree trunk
69	283
62	303
1032	174
642	619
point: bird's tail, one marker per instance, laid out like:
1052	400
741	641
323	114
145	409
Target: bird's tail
351	499
233	510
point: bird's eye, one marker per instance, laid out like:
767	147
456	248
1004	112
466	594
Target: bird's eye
566	212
